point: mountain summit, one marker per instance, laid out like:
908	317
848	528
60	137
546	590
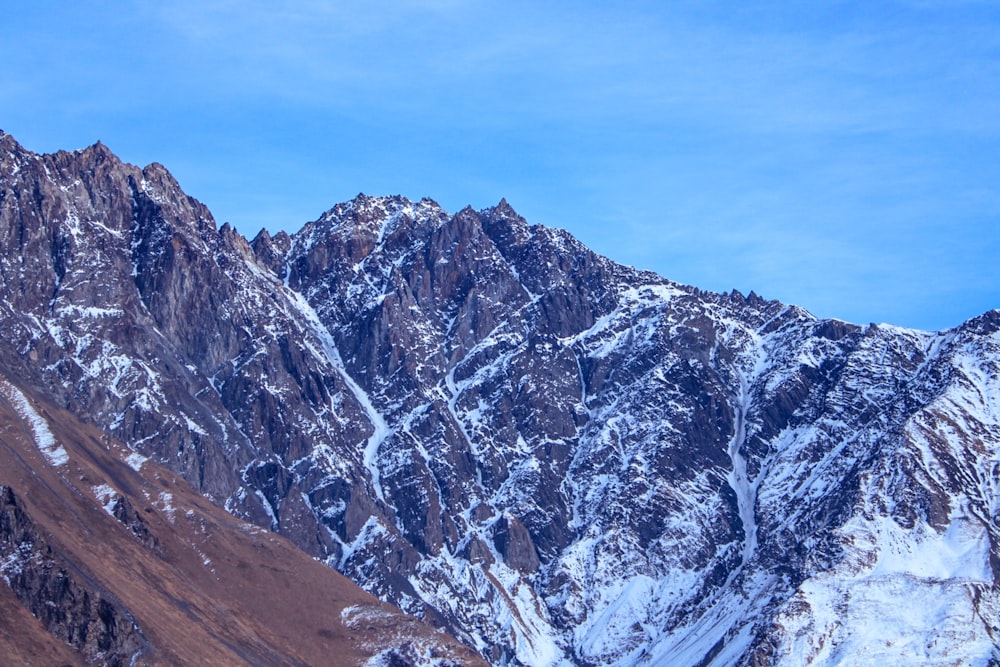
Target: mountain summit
560	459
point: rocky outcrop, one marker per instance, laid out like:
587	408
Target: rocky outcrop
70	607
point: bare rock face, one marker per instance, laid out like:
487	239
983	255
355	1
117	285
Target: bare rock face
560	459
513	541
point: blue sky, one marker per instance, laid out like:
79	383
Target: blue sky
843	156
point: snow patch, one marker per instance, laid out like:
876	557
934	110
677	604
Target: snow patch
92	312
107	496
166	505
135	461
45	441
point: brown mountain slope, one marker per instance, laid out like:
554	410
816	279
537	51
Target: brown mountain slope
123	560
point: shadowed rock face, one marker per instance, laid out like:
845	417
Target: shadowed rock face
559	458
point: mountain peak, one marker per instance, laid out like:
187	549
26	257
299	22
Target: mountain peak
9	143
505	209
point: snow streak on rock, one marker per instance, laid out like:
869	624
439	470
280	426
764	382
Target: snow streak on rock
47	445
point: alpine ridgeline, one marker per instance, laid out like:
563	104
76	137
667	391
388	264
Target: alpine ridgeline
560	459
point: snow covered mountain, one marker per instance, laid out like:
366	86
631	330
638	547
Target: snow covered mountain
560	459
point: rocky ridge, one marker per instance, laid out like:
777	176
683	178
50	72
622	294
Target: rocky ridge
560	459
